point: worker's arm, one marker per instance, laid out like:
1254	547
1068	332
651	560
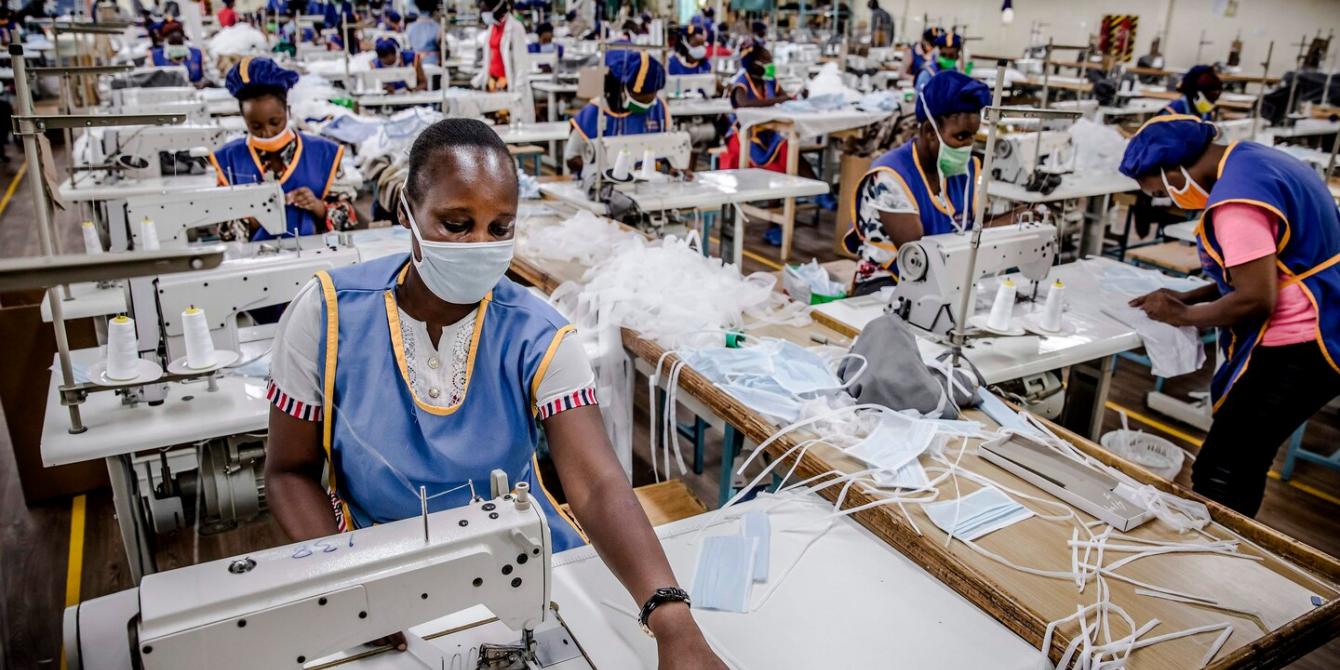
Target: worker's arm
604	504
420	80
901	227
1255	289
572	151
294	462
739	99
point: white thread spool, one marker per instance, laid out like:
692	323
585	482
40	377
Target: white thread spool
148	235
92	245
1051	312
199	345
121	348
999	319
648	164
622	163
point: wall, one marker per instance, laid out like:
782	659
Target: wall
1258	21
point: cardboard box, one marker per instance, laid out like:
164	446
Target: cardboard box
850	172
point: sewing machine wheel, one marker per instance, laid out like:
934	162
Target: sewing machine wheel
912	262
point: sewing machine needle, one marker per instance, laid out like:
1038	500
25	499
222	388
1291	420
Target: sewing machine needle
423	505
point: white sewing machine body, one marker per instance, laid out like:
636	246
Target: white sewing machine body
132	97
1018	155
931	270
175	212
672	147
291	605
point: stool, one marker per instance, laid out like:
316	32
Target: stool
527	153
664	502
1296	452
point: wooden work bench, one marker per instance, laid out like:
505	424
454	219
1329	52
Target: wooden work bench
1277	587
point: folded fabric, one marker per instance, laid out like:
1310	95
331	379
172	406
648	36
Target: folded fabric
972	516
350	129
1172	350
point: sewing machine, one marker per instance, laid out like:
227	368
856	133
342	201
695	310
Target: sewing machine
291	606
130	97
931	270
474	104
378	77
133	151
680	85
195	109
1019	155
175	212
672	147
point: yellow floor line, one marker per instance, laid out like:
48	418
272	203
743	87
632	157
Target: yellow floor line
13	186
1310	490
1158	425
74	567
751	255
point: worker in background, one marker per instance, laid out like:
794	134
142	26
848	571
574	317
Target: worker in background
389	54
424	34
948	48
175	51
707	19
227	16
390	21
630	105
430	368
1200	89
304	165
690	55
881	25
1269	237
927	186
505	63
544	41
758	30
923	51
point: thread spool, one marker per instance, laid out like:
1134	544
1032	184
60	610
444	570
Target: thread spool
199	345
92	245
648	164
1051	311
148	235
622	163
999	319
121	348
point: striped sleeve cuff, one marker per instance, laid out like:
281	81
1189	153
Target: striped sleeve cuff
290	405
581	398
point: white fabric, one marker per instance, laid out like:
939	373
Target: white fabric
1172	350
237	40
437	374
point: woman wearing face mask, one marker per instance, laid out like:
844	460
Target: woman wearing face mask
923	51
690	56
431	368
948	49
506	64
925	187
630	105
304	165
389	54
175	51
756	86
1269	237
1200	89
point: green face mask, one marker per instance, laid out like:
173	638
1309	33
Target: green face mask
636	107
953	162
770	71
947	63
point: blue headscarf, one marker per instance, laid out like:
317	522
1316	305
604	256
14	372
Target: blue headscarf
258	72
951	92
748	51
1165	142
1198	79
948	40
385	43
637	70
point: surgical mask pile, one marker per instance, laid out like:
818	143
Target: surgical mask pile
729	565
773	378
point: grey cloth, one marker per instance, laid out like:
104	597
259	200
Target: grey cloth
895	376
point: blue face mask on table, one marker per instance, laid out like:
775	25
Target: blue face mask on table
976	514
724	574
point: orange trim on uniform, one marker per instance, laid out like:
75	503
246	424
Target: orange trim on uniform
642	69
218	170
544	365
328	382
1171	117
334	168
539	479
398	348
292	165
916	160
244	69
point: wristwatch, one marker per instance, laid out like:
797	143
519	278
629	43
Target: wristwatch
660	597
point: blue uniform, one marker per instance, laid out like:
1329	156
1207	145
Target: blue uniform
383	443
938	214
656	120
1309	247
407	59
194	62
765	144
677	65
314	165
1183	106
550	48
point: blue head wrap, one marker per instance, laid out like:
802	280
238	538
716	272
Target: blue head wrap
1200	78
637	70
932	35
386	43
1164	142
948	40
392	15
951	92
748	51
258	72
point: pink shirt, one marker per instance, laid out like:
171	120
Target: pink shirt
1246	233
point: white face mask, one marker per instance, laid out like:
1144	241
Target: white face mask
698	52
176	51
461	273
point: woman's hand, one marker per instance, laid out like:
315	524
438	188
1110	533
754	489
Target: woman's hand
1140	301
679	642
1163	305
303	198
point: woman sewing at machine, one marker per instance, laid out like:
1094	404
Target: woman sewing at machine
923	51
304	165
690	56
630	105
1200	89
927	186
389	54
430	368
948	49
1269	237
175	51
755	85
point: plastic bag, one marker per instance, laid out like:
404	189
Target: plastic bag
810	284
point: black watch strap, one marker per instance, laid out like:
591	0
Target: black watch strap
660	597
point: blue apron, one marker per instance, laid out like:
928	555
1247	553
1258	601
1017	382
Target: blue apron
655	120
369	404
550	48
936	217
314	166
1308	252
407	59
194	63
678	66
765	143
1183	106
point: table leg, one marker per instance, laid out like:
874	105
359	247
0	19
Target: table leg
737	238
789	205
1095	226
1086	397
553	108
134	536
